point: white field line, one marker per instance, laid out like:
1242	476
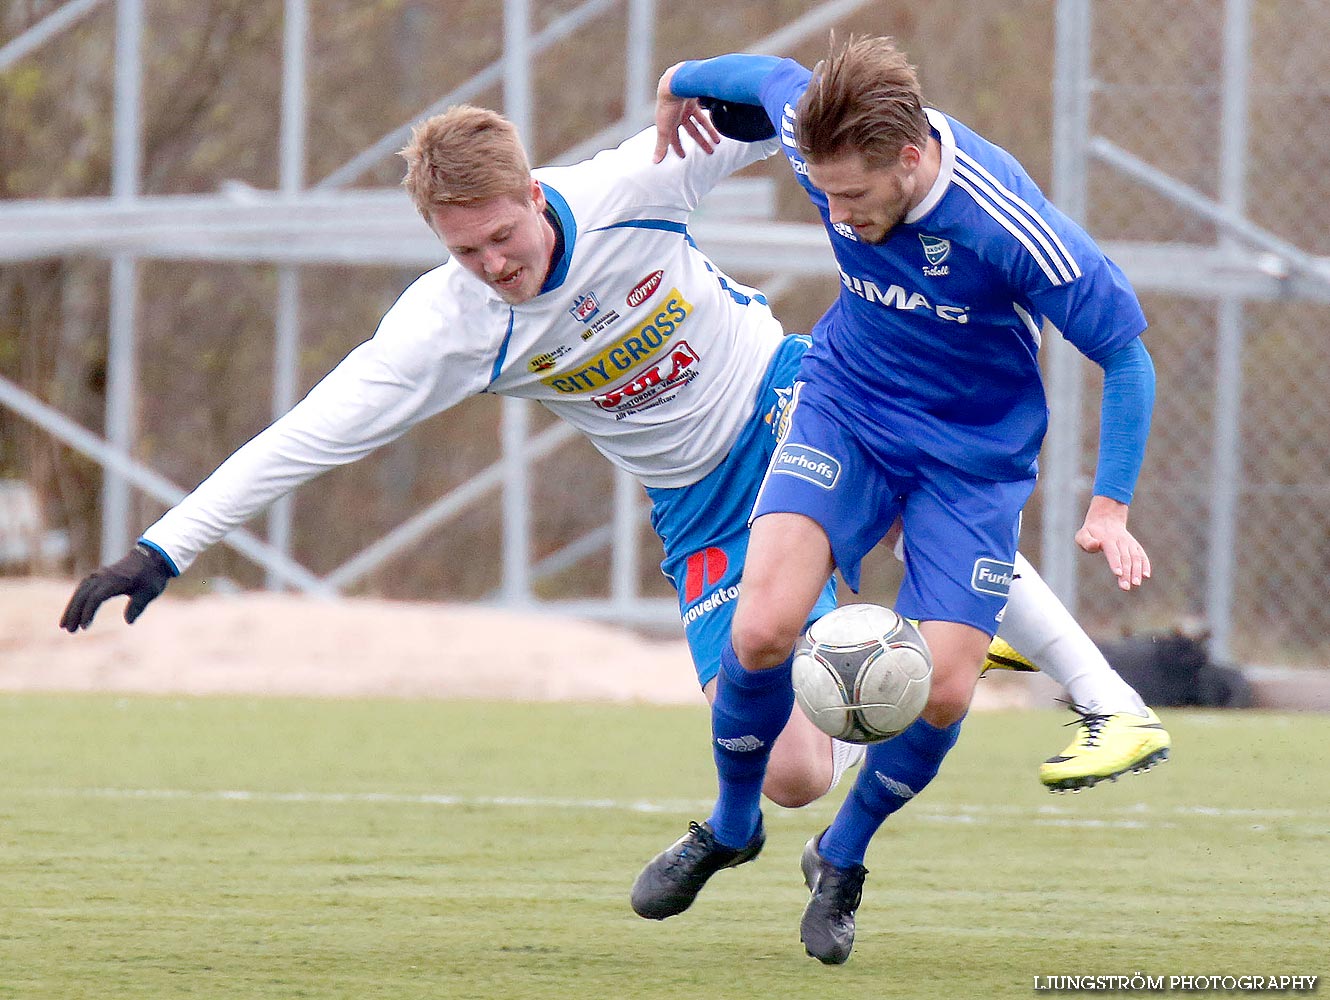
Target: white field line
1135	817
378	798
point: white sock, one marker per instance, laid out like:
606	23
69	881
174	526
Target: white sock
843	757
1044	631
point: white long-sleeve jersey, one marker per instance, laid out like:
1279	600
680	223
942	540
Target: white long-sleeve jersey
636	339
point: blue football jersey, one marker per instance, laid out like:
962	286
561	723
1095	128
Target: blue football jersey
933	339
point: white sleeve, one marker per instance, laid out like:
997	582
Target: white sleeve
674	182
379	391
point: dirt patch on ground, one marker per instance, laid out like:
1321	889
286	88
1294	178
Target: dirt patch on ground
270	644
266	644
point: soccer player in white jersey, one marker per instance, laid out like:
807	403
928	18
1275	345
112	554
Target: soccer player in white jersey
920	399
578	287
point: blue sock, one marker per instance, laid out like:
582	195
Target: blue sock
750	710
893	772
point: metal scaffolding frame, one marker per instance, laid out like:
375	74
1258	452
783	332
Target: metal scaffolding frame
323	222
1246	263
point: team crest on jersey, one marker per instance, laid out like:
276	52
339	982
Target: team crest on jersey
846	230
935	252
586	309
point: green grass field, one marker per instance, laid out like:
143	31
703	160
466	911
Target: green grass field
154	848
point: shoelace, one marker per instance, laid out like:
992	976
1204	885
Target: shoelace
845	889
1094	724
697	835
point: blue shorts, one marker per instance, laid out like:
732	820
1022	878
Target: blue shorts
960	531
704	527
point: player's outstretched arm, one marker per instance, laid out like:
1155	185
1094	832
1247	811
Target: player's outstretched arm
141	576
1105	530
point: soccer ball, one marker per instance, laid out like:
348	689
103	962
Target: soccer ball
862	673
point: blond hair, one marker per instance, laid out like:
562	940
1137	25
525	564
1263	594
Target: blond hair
465	155
865	99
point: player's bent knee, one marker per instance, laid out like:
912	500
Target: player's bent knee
943	714
796	790
948	700
762	640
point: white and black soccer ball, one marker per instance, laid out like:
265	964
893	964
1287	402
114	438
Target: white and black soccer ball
862	673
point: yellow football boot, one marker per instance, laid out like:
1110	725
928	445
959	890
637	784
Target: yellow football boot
1003	656
1105	747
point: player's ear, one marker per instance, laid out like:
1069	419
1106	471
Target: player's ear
537	195
910	156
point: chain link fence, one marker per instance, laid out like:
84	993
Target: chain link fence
1234	499
1234	502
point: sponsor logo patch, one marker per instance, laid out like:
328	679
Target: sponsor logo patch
720	598
653	385
544	362
603	319
846	230
803	462
702	570
644	289
991	576
628	353
896	297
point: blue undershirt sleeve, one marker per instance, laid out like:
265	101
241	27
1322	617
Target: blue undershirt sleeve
1124	420
736	77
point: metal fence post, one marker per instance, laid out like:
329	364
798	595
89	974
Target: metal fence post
1060	473
1226	463
286	347
516	414
121	373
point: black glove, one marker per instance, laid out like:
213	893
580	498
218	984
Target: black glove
744	122
141	575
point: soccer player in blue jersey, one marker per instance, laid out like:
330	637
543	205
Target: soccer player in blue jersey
920	399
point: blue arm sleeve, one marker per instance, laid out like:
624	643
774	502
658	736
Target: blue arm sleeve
1124	420
735	77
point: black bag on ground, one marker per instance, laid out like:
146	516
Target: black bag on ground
1170	670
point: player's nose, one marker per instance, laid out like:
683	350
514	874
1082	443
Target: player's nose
495	263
